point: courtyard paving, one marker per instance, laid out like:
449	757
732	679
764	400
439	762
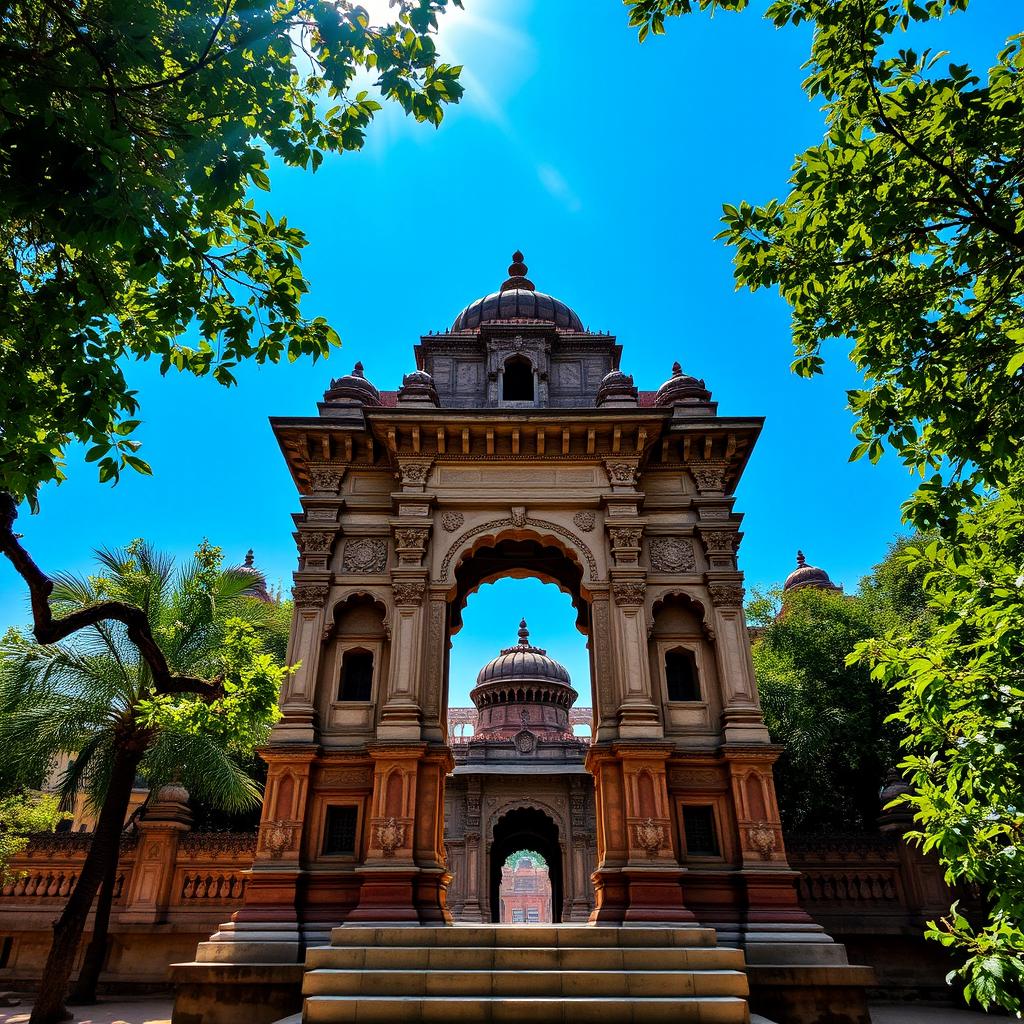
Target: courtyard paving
158	1011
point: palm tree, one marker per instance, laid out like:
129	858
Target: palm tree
93	695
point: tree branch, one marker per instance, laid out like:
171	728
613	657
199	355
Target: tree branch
50	630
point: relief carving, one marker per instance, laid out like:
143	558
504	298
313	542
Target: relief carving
318	543
390	836
729	594
365	555
451	521
328	480
650	836
621	472
310	595
412	537
413	474
278	836
625	536
518	516
762	838
709	477
585	520
629	594
672	555
408	592
720	541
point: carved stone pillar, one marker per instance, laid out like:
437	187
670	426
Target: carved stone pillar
298	694
400	715
638	713
742	718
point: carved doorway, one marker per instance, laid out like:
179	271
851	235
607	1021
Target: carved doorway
526	828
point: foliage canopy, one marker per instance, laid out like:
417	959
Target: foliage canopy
130	137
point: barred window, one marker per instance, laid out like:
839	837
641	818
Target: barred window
340	830
699	828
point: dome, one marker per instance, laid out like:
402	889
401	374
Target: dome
681	388
418	389
353	387
258	587
517	299
805	575
617	388
523	662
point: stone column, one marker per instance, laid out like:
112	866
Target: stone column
400	715
298	722
166	820
638	713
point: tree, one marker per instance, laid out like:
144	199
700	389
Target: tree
830	716
97	699
21	815
903	236
962	706
130	135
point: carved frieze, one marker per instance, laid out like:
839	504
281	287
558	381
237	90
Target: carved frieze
310	595
672	555
629	594
347	777
413	474
585	520
722	542
452	521
727	594
625	536
367	555
408	592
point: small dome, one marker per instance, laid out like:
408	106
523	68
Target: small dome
805	575
617	388
353	387
523	662
517	299
681	388
418	387
258	587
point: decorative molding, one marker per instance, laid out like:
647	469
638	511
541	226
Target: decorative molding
310	595
414	537
525	741
367	555
629	594
413	474
451	521
729	594
408	592
518	516
277	837
671	555
543	525
585	520
650	836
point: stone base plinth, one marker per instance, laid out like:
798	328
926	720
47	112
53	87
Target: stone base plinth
209	993
811	994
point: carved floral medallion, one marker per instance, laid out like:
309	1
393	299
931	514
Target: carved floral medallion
365	555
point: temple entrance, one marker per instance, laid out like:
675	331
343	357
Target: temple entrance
518	888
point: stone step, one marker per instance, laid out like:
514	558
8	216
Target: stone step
636	985
522	935
530	958
537	1010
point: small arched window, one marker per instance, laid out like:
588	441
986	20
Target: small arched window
517	380
681	675
356	681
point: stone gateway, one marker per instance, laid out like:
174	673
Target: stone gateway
517	447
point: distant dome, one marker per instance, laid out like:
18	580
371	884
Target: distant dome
805	575
353	387
523	662
517	299
258	587
418	389
680	387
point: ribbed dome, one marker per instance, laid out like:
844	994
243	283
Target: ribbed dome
805	575
681	388
517	299
523	663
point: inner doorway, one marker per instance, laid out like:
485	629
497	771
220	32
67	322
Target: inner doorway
523	831
525	891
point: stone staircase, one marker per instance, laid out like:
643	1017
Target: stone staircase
538	974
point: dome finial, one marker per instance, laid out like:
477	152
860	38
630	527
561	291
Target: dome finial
517	275
524	633
677	370
357	370
249	559
801	561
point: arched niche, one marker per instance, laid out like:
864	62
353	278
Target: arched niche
526	827
518	383
356	643
682	663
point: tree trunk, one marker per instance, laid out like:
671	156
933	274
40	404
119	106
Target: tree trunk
84	990
67	931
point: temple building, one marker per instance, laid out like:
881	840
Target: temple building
522	744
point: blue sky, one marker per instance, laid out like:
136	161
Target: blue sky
607	163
